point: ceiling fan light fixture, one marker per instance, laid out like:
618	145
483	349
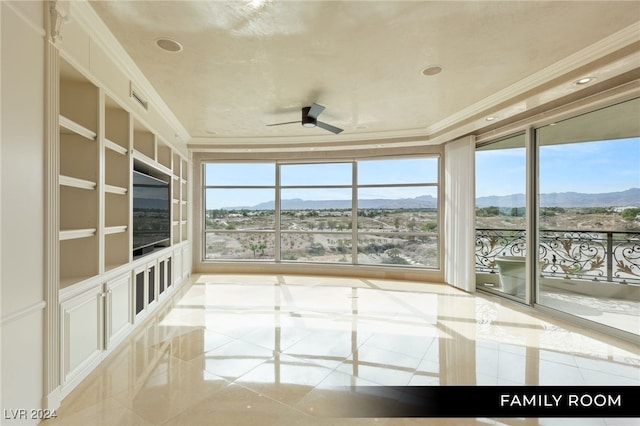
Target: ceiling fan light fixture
310	119
307	120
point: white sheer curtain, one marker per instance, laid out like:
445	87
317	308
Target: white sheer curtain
459	213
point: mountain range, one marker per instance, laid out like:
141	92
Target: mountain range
630	197
422	202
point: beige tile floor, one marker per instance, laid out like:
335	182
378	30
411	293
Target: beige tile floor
266	350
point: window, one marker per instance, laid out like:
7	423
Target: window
374	212
316	212
239	221
398	212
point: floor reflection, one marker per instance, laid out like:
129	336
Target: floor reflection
261	349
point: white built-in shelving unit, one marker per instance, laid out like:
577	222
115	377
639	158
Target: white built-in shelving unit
103	290
117	185
99	142
179	200
79	177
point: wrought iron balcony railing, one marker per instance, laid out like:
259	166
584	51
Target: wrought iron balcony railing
597	256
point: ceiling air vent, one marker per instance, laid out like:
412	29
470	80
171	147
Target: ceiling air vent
140	99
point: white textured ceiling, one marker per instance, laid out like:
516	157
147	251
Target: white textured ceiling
246	64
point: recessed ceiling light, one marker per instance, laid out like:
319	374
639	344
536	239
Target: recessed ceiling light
491	118
431	70
211	132
584	80
169	45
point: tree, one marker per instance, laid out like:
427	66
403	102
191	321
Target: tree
429	226
630	214
517	211
488	211
255	247
262	246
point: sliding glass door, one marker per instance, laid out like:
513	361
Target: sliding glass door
501	178
589	216
582	205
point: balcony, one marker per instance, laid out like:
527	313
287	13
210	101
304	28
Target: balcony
594	275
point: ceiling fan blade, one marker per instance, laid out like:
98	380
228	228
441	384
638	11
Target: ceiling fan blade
329	127
315	111
288	122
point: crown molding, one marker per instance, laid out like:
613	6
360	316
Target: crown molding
88	19
275	144
313	140
623	93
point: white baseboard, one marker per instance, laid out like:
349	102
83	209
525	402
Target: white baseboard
53	400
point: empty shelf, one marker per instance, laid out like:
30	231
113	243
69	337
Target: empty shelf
72	234
115	147
78	129
115	229
76	183
112	189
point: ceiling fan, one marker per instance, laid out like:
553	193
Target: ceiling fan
310	119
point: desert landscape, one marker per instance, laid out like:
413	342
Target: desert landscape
402	236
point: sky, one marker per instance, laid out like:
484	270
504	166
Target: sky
401	171
588	167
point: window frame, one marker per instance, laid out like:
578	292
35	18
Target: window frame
354	233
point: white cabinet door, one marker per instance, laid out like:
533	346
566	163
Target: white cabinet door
82	326
140	291
177	265
119	309
145	289
152	283
164	276
186	261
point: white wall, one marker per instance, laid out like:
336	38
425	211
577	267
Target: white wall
22	206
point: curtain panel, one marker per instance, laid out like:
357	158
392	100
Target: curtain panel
459	213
